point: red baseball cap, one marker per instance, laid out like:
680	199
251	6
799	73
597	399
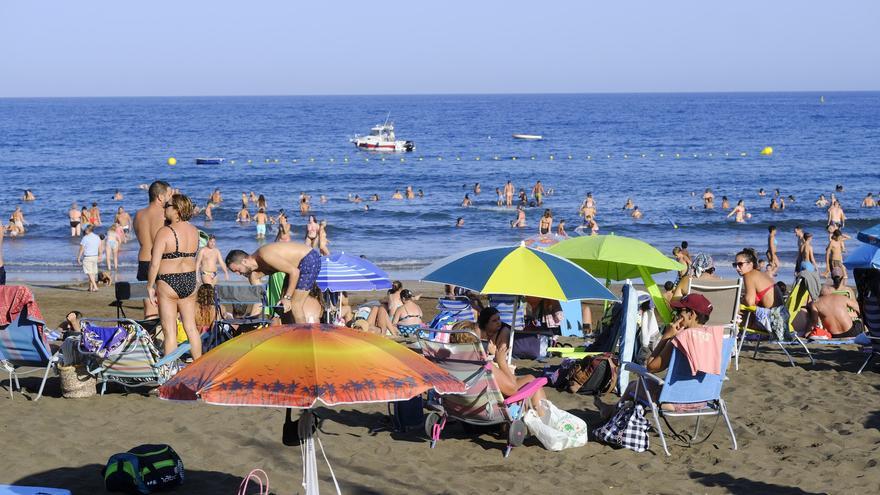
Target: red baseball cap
695	302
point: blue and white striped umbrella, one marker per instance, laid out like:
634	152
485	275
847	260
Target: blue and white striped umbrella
870	235
340	272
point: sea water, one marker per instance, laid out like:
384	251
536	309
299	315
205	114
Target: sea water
661	150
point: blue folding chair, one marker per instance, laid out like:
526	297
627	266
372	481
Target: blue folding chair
452	310
680	387
22	344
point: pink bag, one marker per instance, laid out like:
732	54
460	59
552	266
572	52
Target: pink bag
258	475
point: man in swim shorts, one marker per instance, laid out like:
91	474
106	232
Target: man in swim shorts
147	223
207	260
835	313
299	262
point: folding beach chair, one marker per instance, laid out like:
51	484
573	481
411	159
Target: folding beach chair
452	310
241	299
724	296
796	300
136	362
22	343
680	387
482	402
868	284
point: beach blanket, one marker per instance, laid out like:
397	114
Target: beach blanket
103	341
13	300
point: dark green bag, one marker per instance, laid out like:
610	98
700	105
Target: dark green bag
143	470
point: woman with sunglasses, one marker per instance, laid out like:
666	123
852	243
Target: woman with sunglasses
758	287
173	265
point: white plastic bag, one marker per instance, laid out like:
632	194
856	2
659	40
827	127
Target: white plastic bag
558	429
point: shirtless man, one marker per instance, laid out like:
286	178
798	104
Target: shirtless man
725	203
629	205
147	222
299	262
836	217
806	254
123	219
409	193
799	235
508	194
261	219
118	195
538	193
74	215
28	195
869	202
636	213
708	200
207	260
396	195
834	312
244	215
834	256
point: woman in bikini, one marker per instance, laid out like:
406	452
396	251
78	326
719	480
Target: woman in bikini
758	287
408	316
498	336
546	223
172	276
283	228
312	232
322	239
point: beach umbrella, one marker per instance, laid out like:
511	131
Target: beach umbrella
517	271
543	241
341	272
864	256
300	366
615	257
870	235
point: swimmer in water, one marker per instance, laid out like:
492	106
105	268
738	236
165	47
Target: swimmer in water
629	204
725	203
560	229
520	221
869	202
708	200
466	201
761	192
459	222
636	213
545	225
396	195
244	215
739	211
477	188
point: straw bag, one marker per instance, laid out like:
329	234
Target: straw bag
76	382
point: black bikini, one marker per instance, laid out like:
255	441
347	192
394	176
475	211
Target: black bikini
184	284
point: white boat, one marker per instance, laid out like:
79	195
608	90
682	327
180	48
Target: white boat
528	137
381	138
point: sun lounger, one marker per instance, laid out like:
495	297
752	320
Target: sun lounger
680	387
482	402
136	362
22	342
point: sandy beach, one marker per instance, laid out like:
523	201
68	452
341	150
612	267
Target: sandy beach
808	429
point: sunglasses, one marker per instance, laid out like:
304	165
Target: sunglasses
739	264
167	205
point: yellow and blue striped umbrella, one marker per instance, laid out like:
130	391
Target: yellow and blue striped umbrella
519	271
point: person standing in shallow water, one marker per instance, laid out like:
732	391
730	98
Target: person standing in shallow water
74	216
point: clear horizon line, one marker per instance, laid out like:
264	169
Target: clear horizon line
535	93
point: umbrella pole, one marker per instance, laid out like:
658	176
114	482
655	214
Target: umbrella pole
659	301
516	305
308	437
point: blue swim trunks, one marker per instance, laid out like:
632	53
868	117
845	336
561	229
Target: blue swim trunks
261	229
309	267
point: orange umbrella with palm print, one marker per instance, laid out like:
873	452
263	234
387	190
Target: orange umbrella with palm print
297	366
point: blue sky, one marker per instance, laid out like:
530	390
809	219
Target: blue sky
268	47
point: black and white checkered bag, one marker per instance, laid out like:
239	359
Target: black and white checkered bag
627	428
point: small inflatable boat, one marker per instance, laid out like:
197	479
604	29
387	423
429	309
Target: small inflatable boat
528	137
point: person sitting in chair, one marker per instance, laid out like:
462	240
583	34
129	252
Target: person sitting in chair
834	312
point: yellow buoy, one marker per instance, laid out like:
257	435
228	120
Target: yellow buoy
767	151
172	161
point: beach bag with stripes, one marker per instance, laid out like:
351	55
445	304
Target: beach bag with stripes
144	469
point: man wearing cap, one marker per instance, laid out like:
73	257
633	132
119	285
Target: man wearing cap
693	312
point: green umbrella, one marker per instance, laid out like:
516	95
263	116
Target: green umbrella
615	257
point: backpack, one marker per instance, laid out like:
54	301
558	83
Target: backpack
143	470
592	375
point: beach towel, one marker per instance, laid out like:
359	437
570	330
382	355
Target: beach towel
774	320
103	341
702	348
13	300
813	283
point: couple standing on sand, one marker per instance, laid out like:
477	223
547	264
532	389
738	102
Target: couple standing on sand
167	262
